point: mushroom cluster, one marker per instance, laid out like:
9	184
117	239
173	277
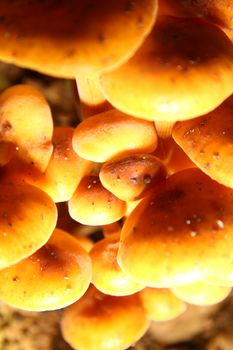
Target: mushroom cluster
149	164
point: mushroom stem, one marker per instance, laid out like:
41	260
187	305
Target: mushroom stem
164	128
92	100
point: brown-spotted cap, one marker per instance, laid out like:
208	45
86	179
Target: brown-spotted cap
104	322
53	277
208	141
131	177
65	38
179	53
180	233
27	219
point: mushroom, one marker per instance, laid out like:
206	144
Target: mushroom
74	39
180	233
131	177
104	322
63	173
27	219
92	204
208	141
214	11
161	304
200	293
26	121
107	275
179	52
53	277
110	134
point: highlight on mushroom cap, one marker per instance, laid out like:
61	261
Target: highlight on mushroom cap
26	121
187	212
111	134
161	304
28	217
107	275
200	293
104	322
63	173
92	204
53	277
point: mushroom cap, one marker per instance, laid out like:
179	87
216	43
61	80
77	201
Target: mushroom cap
161	304
26	121
92	204
27	219
200	293
179	52
223	279
63	173
67	38
107	275
53	277
131	177
219	12
208	141
104	322
111	134
188	212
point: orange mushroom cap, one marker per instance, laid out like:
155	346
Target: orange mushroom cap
26	121
92	204
131	177
188	212
161	304
104	322
107	275
219	12
110	134
208	141
200	293
53	277
179	52
66	38
27	219
63	173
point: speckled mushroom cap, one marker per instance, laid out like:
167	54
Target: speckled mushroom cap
200	293
53	277
92	204
107	275
180	233
63	38
26	121
219	12
63	173
27	219
104	322
131	177
208	141
179	53
112	134
161	304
